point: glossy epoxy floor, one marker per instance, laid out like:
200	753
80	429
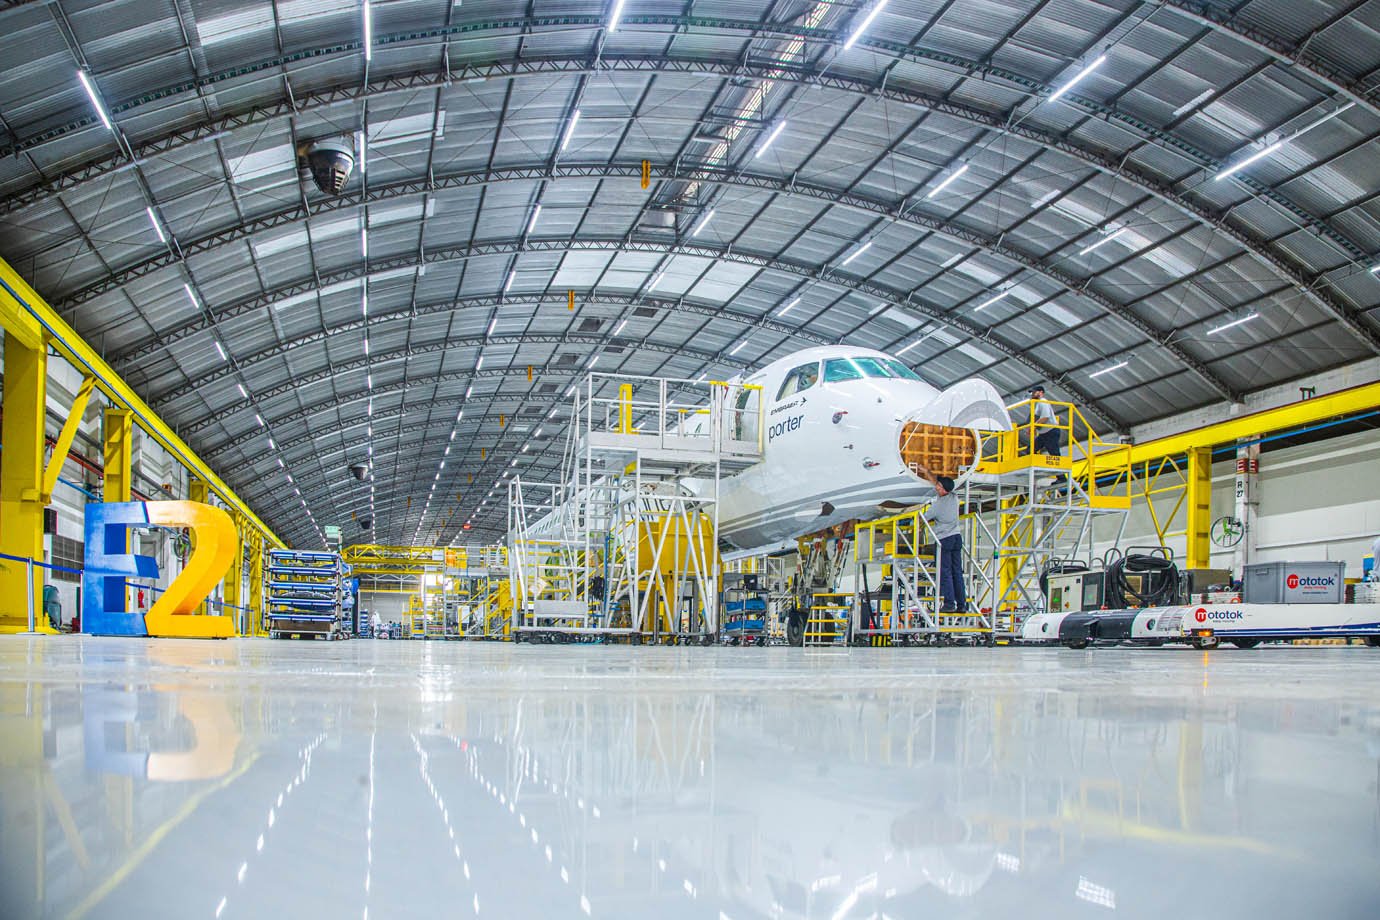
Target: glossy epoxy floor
363	779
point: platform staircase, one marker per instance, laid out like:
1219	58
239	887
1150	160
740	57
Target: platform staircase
624	545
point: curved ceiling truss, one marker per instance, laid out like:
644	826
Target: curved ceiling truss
723	176
1313	284
323	401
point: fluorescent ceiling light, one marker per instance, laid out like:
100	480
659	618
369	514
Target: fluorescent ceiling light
945	184
1259	154
656	280
862	26
157	225
738	347
1104	241
243	391
1078	77
594	360
260	419
492	323
271	445
362	145
617	15
914	344
1236	322
220	350
480	363
191	295
366	346
468	390
532	224
1108	370
857	252
621	326
1375	269
512	275
1194	102
787	308
775	133
570	129
364	241
704	222
95	98
991	300
364	304
368	32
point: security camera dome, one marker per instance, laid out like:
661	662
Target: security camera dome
360	471
366	522
330	164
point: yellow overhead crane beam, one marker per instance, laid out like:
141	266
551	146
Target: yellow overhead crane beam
375	559
1187	456
32	322
1299	414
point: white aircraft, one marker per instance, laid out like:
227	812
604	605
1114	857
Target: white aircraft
844	428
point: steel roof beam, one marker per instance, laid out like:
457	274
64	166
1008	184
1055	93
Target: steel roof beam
717	175
1284	52
486	302
904	300
966	67
379	359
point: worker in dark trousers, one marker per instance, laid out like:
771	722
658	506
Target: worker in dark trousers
1048	441
942	516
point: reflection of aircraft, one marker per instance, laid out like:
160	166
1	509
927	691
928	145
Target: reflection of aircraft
845	428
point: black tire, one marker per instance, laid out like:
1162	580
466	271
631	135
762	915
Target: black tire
1245	643
1373	641
1076	644
795	628
1206	643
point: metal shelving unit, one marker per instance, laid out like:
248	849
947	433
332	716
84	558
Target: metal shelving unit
305	594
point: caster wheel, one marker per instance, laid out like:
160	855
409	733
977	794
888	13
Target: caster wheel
1206	643
1076	644
1245	643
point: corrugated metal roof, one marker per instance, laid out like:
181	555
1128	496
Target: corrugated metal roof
456	164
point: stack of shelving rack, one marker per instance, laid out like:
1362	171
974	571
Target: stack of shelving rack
305	594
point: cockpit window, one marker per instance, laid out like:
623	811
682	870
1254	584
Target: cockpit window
798	380
901	370
840	369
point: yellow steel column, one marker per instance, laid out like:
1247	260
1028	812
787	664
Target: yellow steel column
118	454
234	580
1199	510
256	584
1013	538
197	492
21	482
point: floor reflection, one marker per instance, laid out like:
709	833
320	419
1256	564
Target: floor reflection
251	779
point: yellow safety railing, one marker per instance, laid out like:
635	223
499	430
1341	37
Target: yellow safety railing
1102	468
906	535
828	619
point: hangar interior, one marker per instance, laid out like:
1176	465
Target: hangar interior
955	417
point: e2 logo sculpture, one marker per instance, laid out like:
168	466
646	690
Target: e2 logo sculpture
109	563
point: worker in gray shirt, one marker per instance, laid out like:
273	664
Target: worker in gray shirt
942	516
1048	441
1375	560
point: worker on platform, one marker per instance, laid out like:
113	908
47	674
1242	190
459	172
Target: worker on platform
1048	441
942	516
1375	560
